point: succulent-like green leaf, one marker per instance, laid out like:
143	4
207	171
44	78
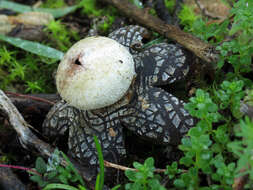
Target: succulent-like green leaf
41	165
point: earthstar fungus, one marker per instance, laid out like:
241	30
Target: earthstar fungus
141	106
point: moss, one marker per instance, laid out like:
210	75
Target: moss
170	4
187	16
108	13
25	72
60	36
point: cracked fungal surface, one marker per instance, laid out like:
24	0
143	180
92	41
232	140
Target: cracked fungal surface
146	109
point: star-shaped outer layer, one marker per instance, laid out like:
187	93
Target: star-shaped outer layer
146	110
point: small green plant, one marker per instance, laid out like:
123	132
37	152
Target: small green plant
230	95
33	87
213	33
239	50
208	148
172	170
249	97
205	144
242	148
54	175
144	178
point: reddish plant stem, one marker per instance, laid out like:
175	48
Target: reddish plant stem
20	168
31	97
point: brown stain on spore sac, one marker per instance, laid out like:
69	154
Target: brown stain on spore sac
112	133
144	104
73	68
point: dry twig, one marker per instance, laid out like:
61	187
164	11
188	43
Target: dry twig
119	167
26	136
203	50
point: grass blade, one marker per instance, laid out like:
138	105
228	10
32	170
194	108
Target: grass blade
34	47
97	186
59	186
19	8
60	12
101	164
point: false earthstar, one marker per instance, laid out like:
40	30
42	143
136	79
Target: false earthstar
106	84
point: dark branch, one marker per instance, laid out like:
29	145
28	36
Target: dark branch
203	50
